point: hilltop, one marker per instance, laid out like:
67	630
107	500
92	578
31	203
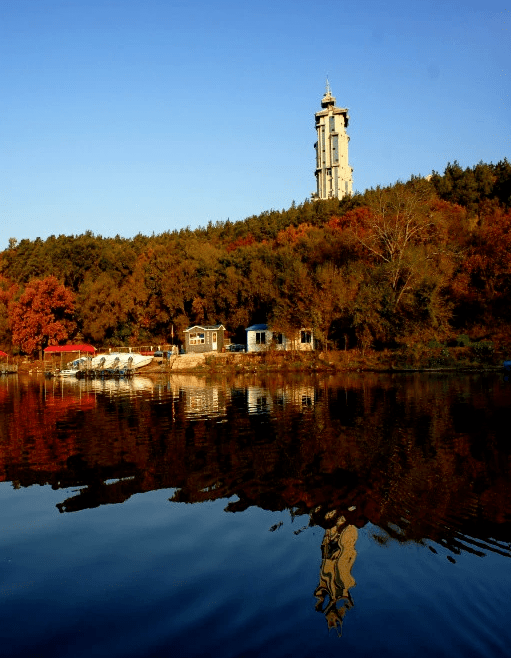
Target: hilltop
421	262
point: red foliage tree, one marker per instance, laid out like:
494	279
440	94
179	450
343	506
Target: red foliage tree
293	234
42	316
245	241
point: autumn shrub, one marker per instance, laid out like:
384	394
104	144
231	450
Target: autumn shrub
462	340
441	358
483	350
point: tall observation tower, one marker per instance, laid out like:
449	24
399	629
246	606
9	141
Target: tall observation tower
334	176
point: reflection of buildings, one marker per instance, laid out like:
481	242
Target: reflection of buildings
300	397
263	400
199	400
204	402
335	578
259	400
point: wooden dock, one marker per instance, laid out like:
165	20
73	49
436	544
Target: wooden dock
9	369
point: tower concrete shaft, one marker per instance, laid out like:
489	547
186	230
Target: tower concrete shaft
334	176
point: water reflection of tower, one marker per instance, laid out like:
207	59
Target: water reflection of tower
335	578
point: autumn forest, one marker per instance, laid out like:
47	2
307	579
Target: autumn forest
424	260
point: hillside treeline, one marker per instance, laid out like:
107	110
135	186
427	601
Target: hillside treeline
426	258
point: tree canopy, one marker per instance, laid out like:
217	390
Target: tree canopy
397	263
43	315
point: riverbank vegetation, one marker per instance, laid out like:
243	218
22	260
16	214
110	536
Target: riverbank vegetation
419	267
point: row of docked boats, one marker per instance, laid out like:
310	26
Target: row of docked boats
114	364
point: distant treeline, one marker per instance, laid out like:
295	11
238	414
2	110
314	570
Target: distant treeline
426	258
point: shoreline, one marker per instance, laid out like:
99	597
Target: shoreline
450	360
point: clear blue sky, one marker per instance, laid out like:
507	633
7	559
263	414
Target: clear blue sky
125	117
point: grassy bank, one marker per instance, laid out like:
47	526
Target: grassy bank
478	356
462	355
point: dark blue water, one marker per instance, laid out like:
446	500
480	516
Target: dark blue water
369	515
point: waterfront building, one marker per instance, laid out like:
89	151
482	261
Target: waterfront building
261	338
204	338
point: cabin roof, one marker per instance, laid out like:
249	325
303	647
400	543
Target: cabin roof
209	327
257	327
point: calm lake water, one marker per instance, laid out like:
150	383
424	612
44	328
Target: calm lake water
363	515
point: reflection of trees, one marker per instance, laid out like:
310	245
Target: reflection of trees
420	457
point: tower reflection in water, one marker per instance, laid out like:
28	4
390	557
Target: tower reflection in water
421	459
335	579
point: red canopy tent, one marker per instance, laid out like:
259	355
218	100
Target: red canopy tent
57	349
52	350
3	353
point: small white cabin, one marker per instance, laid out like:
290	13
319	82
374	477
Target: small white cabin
261	338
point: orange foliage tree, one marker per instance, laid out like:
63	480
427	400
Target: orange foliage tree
42	316
482	287
7	292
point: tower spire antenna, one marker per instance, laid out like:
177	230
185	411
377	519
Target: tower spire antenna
328	90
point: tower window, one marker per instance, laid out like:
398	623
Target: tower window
332	124
335	148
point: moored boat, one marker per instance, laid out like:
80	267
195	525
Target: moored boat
67	372
136	360
116	360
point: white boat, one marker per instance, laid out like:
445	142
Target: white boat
66	372
135	360
72	368
120	360
102	361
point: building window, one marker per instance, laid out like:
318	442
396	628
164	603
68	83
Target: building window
332	124
305	337
260	338
278	338
197	339
262	403
335	148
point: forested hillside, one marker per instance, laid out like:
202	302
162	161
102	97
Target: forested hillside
422	259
